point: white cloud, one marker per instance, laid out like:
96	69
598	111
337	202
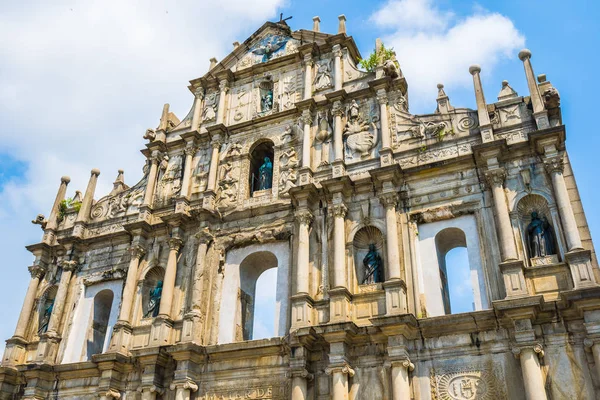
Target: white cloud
435	46
80	81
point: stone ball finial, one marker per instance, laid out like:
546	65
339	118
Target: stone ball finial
474	69
95	171
504	83
524	54
65	179
440	86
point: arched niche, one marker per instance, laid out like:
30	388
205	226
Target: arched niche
526	206
153	278
45	307
243	267
259	152
98	333
433	242
364	238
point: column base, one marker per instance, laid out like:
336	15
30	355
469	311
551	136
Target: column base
514	279
580	263
121	338
192	327
340	305
302	311
161	331
14	352
395	297
338	169
9	381
386	157
47	348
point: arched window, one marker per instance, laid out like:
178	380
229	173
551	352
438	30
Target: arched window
250	305
152	292
98	334
261	168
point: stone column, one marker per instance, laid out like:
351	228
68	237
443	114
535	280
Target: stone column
339	377
308	77
306	140
214	164
88	197
137	252
150	185
400	381
192	322
339	245
337	66
555	167
169	279
304	218
36	272
487	134
300	378
184	390
532	374
198	100
60	196
382	99
539	112
495	179
224	88
189	151
338	142
389	201
61	295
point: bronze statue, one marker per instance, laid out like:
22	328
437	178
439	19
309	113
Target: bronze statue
46	318
372	263
540	238
154	303
265	175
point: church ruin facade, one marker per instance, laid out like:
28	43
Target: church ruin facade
292	159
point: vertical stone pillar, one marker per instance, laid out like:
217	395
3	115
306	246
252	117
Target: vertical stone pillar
341	24
137	252
555	167
224	88
495	178
339	245
299	388
316	24
389	201
304	218
337	66
198	100
339	376
487	134
214	164
338	141
36	272
382	99
594	344
539	111
151	184
60	196
189	151
88	197
400	381
192	322
308	76
306	139
166	300
532	374
61	295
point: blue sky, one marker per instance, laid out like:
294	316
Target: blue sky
81	81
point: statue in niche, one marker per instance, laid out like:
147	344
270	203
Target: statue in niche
265	175
210	108
540	237
323	136
372	263
43	328
323	78
359	138
154	302
266	101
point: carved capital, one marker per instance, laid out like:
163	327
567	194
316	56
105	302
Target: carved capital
304	217
151	389
344	369
382	97
389	199
337	109
224	86
204	235
190	150
156	157
175	243
402	363
337	50
306	117
308	59
495	177
536	347
137	251
299	373
199	93
554	164
216	143
188	384
339	210
69	265
36	271
111	394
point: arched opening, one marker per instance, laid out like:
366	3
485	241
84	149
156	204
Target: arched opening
152	292
45	309
264	305
98	334
251	306
368	246
261	169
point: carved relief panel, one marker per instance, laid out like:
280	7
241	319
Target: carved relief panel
361	130
467	383
169	179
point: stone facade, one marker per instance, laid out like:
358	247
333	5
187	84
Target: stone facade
353	170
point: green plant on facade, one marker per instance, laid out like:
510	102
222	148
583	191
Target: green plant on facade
377	58
65	205
442	133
